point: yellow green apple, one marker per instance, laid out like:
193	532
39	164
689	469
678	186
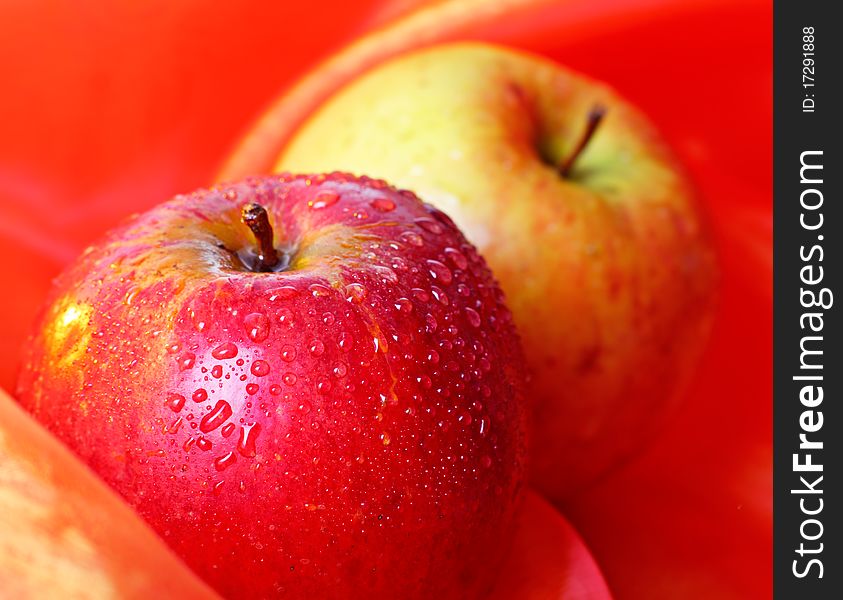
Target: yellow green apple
590	225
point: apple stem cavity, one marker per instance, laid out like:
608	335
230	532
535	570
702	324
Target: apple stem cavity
595	116
255	217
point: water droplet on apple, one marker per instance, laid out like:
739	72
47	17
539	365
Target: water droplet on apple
385	439
204	444
217	371
323	387
174	426
186	361
339	370
199	395
323	199
484	426
248	436
412	238
224	351
316	347
285	317
421	295
440	295
328	318
188	444
430	323
257	326
457	258
404	305
472	316
355	292
275	389
288	353
252	388
289	378
318	290
175	402
219	415
218	487
227	429
439	272
441	217
345	341
284	292
429	225
260	368
383	204
398	264
224	461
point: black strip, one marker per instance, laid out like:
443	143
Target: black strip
808	227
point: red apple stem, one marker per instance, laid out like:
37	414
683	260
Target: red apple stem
595	115
254	216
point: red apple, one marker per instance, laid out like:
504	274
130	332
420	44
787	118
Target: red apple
64	534
319	398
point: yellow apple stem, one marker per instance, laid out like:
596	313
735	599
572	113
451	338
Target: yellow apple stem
255	218
595	115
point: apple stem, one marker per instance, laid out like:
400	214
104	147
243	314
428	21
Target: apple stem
595	115
254	216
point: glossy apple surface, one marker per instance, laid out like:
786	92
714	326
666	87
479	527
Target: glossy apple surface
306	430
64	534
607	269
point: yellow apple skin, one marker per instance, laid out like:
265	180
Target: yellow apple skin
609	272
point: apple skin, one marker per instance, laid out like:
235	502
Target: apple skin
609	273
65	534
353	426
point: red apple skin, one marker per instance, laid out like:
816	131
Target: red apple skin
353	426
